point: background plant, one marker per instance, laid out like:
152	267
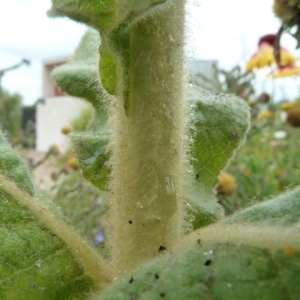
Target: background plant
266	165
10	114
234	81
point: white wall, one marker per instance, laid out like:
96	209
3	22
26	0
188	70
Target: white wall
51	115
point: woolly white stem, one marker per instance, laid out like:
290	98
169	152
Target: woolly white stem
147	159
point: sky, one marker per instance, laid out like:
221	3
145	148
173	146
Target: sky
225	31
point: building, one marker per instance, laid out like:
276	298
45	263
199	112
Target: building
54	110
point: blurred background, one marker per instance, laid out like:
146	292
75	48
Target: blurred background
222	31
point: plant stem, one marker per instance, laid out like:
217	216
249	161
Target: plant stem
94	265
256	235
147	146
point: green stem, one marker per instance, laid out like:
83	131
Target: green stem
148	157
94	265
256	235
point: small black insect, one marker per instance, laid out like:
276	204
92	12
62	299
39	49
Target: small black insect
131	280
199	241
234	135
130	222
207	263
197	176
156	276
162	295
162	249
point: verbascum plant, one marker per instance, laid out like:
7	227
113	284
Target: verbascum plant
156	146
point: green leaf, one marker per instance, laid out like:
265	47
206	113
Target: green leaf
113	20
11	166
79	77
220	123
105	15
41	257
283	210
220	272
241	257
91	152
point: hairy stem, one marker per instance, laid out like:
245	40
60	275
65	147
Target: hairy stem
94	266
148	157
261	236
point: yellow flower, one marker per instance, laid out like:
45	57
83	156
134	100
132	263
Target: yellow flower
73	163
54	149
227	184
289	250
264	57
264	114
289	105
66	129
287	70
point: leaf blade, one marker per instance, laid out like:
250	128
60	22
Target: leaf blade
221	123
41	257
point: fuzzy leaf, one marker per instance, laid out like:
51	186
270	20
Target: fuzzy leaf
283	210
221	122
91	152
79	77
221	272
252	258
105	15
113	20
11	166
37	261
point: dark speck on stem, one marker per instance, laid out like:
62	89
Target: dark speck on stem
207	263
162	249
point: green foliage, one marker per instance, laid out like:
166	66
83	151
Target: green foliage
83	121
91	152
237	268
281	211
10	113
79	77
35	263
214	144
79	202
112	19
11	166
235	81
162	168
217	272
265	166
